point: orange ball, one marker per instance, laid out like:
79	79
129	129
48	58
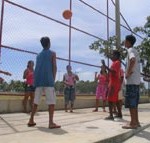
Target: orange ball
67	14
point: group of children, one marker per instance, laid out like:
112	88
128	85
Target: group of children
69	81
110	85
109	88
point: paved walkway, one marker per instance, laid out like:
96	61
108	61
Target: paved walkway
82	126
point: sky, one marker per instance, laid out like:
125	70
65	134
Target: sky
23	30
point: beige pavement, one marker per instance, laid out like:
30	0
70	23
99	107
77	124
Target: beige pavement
82	126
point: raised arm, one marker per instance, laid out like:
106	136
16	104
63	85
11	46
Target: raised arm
6	73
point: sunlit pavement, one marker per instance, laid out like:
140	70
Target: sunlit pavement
81	126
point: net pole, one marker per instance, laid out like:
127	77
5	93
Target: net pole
1	25
70	34
117	13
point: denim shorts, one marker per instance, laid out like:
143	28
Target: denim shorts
132	96
69	95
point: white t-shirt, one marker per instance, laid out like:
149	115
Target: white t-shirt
134	78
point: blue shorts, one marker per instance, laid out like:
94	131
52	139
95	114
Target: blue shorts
132	96
69	95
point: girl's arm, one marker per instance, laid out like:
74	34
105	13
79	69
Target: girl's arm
96	77
6	73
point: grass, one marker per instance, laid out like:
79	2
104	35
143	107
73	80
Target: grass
20	97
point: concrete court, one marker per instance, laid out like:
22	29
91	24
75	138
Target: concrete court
82	126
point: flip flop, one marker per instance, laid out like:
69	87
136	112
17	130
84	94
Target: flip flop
54	126
129	127
31	124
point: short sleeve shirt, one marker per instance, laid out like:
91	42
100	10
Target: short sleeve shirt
135	76
115	78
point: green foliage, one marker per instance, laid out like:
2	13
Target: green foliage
144	48
106	47
81	86
16	86
59	86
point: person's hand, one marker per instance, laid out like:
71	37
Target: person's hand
7	73
128	74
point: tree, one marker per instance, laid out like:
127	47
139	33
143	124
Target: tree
144	48
106	46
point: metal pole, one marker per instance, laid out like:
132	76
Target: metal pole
70	34
108	30
117	24
1	25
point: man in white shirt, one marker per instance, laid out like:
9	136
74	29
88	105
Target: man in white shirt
132	82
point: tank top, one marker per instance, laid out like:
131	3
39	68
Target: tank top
43	70
70	79
29	77
102	79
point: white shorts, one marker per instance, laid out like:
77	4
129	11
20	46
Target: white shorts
49	93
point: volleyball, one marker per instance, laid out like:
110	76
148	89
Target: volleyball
67	14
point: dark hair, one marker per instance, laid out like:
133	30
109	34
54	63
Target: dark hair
29	62
131	39
116	53
68	66
45	41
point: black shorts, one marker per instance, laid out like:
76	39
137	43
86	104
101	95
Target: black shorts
29	88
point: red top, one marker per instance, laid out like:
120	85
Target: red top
29	77
114	81
102	79
114	78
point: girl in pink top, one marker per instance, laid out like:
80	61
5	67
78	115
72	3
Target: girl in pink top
29	88
101	89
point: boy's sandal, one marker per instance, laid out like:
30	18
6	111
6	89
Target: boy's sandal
31	124
129	127
95	110
109	118
54	126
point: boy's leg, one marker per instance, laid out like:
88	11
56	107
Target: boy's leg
52	125
31	99
111	105
118	104
51	113
66	98
66	109
25	101
110	117
104	104
134	117
97	105
72	98
31	120
134	120
38	93
71	109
